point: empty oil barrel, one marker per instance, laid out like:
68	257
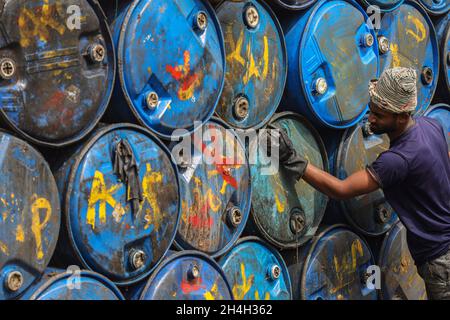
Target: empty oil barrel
286	212
56	69
443	34
399	277
256	63
407	38
187	275
215	189
334	266
441	113
73	284
30	215
357	148
171	64
256	271
332	55
383	5
120	202
435	7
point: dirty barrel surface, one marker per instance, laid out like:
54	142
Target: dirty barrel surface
286	212
56	70
435	7
121	203
30	215
256	271
443	34
171	64
332	56
215	189
441	113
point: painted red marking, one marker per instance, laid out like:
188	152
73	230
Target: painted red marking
55	100
191	286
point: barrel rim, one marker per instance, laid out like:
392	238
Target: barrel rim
435	107
432	11
185	246
295	8
267	246
69	187
86	273
284	63
123	85
104	28
442	44
385	8
186	253
304	121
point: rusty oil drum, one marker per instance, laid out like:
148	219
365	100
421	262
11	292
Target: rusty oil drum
104	229
30	215
56	73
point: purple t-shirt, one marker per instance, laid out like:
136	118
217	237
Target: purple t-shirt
415	177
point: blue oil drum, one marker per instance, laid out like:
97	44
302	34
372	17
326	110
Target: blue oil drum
256	271
441	113
73	284
356	148
407	38
56	69
436	7
285	212
187	275
443	34
215	189
118	224
171	64
29	215
399	277
383	5
334	266
256	63
332	55
293	5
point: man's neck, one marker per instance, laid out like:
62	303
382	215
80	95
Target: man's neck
397	133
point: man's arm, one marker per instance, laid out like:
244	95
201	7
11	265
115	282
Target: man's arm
359	183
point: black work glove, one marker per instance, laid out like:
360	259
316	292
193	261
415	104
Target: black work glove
294	164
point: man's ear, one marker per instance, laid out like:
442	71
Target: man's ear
404	117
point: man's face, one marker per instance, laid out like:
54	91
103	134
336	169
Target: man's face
382	121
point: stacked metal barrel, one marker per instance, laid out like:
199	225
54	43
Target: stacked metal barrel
98	200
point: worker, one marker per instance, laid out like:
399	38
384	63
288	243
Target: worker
414	174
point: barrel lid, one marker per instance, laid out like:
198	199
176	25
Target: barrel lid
215	189
399	277
441	113
294	4
337	59
412	43
443	34
187	275
171	63
384	5
57	76
76	285
287	213
370	214
111	236
30	215
336	267
436	7
256	63
255	271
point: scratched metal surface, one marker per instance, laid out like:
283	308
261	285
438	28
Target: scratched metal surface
57	95
58	284
172	280
277	198
101	231
160	51
331	267
399	277
441	113
443	34
256	64
29	213
370	213
293	4
329	65
436	7
384	5
248	268
413	44
211	186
